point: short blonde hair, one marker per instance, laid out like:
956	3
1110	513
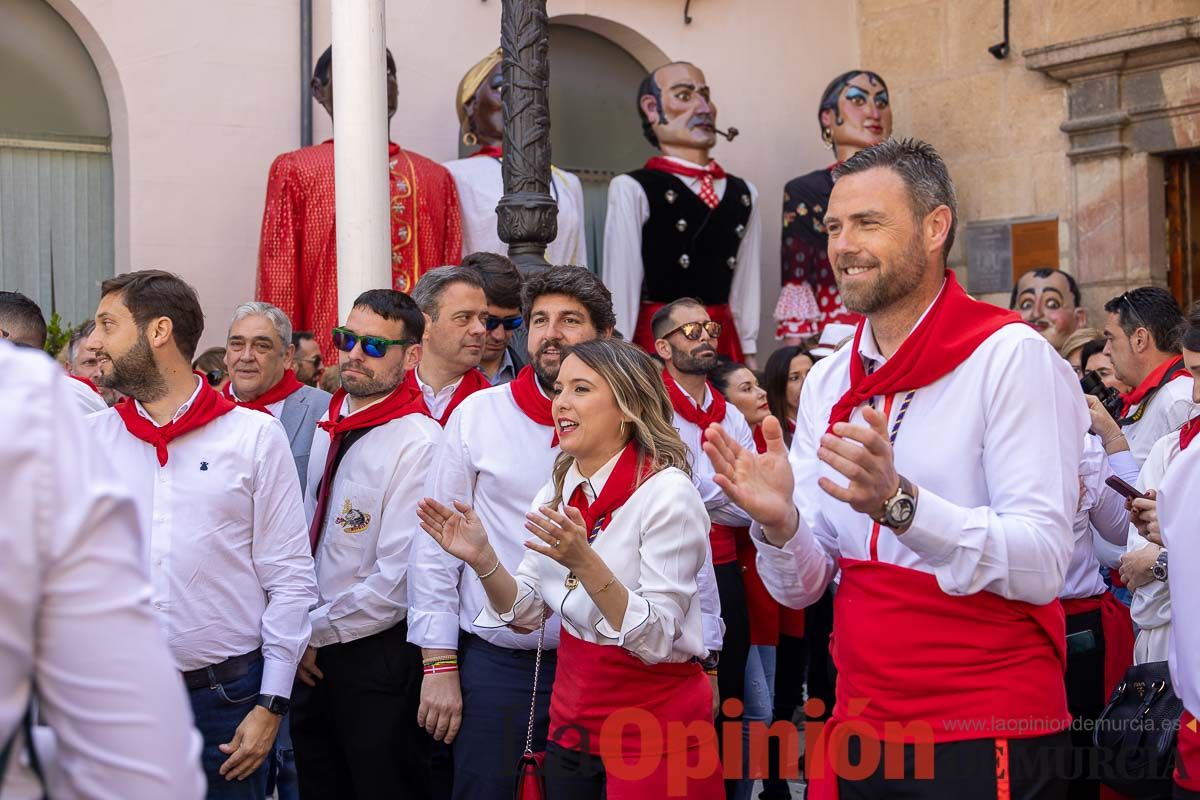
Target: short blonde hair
1078	339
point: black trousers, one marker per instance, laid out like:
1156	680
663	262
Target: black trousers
355	733
731	672
821	679
971	769
791	657
1085	697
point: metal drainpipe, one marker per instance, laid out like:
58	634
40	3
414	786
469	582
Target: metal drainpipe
306	65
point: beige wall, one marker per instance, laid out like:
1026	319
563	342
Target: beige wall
995	122
204	95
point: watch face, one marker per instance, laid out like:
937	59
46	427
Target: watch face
900	512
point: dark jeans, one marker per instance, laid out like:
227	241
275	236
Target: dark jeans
497	685
355	733
970	769
281	772
218	710
731	671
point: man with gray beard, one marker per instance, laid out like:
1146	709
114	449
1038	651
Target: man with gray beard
354	725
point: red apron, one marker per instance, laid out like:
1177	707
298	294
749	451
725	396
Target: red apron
1187	756
1117	627
952	667
768	619
729	345
723	539
595	682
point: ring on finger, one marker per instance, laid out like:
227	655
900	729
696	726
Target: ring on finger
557	542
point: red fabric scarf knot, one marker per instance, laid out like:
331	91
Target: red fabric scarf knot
630	471
489	151
954	326
283	389
207	406
1188	432
707	175
687	408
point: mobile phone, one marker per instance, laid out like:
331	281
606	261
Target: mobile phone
1122	488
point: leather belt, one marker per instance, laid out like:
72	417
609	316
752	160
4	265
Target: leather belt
228	670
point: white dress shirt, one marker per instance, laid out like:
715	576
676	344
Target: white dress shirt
1101	513
1151	606
495	459
1178	518
655	545
74	616
480	188
628	210
363	554
720	508
1168	409
229	559
435	401
996	466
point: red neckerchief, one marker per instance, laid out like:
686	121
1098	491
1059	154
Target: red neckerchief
532	402
207	406
472	381
86	383
1150	381
760	441
490	151
401	402
685	407
1188	432
621	484
672	167
950	332
282	390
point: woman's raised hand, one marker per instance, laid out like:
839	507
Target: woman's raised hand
458	531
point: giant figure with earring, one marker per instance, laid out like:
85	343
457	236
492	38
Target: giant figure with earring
855	113
681	226
478	179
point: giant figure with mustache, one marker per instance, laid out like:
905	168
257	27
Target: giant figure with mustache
680	226
855	113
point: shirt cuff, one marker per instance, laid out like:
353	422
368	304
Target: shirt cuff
489	617
714	632
750	346
322	630
435	630
277	678
936	529
637	613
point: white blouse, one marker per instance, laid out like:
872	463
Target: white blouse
654	544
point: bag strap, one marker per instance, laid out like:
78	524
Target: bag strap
537	668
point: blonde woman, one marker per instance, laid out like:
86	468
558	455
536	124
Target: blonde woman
618	536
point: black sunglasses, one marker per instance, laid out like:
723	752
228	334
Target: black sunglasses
509	323
345	340
214	377
692	330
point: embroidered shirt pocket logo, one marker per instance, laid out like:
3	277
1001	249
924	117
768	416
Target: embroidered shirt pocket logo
351	520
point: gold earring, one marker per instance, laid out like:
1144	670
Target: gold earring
470	139
827	136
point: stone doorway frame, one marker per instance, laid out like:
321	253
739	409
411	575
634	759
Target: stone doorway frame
1132	96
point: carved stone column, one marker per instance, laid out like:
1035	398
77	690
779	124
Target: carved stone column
528	215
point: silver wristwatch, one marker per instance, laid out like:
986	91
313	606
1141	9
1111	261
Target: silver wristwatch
900	508
1159	568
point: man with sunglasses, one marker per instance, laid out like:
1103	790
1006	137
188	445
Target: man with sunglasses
354	717
502	358
685	338
1142	330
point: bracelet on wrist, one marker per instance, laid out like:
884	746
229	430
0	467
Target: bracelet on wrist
611	580
438	669
439	660
1106	442
489	573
